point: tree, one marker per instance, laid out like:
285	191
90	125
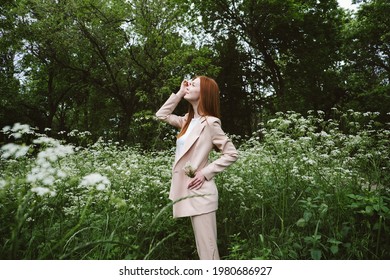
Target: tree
9	83
95	65
236	104
367	64
292	48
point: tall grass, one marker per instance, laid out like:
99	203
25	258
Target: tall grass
303	188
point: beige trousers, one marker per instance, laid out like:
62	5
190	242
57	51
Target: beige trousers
205	231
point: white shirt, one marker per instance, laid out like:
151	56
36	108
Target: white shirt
181	141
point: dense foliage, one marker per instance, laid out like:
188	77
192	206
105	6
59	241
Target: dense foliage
106	66
303	188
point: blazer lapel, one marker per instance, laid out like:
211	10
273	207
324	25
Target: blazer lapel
192	137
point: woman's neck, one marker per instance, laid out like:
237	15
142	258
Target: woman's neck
195	107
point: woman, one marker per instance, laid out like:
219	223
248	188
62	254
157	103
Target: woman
192	188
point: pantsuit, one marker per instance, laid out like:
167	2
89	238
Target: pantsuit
206	135
205	231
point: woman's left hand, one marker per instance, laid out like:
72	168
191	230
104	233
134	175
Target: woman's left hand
197	182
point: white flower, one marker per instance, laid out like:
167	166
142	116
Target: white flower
18	130
324	134
310	161
22	151
41	191
46	140
17	135
61	174
43	174
6	129
3	183
101	187
9	150
95	179
21	128
52	154
14	150
189	170
49	180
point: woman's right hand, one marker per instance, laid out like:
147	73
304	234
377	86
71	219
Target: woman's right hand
183	88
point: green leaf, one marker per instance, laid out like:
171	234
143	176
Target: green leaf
369	210
301	222
315	254
307	215
334	249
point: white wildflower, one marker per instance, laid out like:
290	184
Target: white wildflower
101	187
40	174
329	143
61	174
17	135
95	179
41	191
48	181
189	170
44	173
22	151
18	130
9	150
52	154
47	155
6	129
14	150
74	132
324	134
23	128
46	140
324	156
305	138
3	183
310	161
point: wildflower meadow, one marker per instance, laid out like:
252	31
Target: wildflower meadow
304	187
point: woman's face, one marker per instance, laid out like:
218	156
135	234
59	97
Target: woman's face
193	91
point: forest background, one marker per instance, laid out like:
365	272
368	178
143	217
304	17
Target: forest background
106	66
85	166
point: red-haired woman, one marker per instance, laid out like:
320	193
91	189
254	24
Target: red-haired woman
193	188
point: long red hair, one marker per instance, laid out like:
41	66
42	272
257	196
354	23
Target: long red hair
208	102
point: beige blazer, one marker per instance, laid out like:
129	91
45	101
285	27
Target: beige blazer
202	139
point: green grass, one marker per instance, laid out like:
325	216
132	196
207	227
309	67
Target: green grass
303	188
